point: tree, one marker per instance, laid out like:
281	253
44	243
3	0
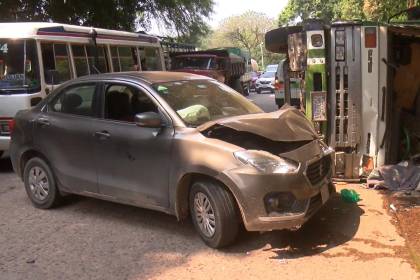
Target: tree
375	10
297	10
245	31
180	16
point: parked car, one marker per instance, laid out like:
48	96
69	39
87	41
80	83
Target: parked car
179	143
265	82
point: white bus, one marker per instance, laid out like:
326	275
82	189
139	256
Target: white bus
36	57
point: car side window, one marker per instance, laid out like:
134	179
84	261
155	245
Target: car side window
123	102
76	100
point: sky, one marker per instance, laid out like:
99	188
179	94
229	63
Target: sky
226	8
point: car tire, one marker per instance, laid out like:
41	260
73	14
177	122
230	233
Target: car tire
40	184
218	205
258	91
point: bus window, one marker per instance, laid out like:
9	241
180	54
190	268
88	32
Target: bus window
128	58
55	57
102	66
80	60
18	75
150	59
115	59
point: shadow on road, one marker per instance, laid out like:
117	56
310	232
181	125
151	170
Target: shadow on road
5	165
336	223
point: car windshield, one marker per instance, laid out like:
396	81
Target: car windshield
268	75
193	62
19	71
200	101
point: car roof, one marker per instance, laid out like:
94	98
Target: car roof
149	77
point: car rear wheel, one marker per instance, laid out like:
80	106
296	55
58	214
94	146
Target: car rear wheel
40	184
214	213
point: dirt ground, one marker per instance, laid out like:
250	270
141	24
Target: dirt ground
92	239
406	216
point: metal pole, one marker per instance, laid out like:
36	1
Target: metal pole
262	56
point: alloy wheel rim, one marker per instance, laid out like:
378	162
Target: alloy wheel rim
204	214
38	183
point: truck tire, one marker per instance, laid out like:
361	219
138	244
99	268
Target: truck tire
237	85
40	184
214	213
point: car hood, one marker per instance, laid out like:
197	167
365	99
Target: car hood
287	124
266	79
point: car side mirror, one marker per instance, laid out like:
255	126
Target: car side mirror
148	119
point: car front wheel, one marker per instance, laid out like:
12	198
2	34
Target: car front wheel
40	184
214	213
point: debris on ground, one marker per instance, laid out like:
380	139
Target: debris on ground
404	176
349	196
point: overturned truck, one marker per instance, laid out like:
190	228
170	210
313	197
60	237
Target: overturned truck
360	85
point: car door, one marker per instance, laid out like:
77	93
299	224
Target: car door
133	162
63	132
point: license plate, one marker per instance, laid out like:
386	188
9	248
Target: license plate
325	194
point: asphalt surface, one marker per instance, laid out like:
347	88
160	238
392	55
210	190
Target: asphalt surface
265	101
92	239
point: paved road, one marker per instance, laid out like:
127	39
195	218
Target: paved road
92	239
264	101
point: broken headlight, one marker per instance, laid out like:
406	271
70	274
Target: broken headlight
266	162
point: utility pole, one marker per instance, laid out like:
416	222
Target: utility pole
262	55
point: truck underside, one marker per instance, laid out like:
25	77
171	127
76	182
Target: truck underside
402	136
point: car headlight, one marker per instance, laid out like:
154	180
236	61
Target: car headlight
266	162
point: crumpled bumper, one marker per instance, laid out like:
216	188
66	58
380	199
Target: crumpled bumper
252	187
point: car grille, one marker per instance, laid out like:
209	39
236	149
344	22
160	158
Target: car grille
317	170
4	128
314	204
264	82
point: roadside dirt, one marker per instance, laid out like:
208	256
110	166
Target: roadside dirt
406	217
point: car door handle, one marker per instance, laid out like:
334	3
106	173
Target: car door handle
102	135
43	121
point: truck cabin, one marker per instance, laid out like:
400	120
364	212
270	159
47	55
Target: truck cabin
218	64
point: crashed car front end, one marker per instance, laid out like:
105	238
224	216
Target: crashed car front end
283	175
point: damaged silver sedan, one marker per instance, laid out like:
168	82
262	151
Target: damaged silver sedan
174	142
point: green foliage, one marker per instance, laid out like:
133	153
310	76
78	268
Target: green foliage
374	10
246	31
181	16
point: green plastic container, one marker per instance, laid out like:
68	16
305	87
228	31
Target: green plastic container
349	196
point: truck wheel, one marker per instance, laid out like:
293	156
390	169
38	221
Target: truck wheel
40	184
236	85
214	213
